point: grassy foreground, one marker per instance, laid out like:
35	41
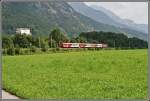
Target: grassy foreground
108	74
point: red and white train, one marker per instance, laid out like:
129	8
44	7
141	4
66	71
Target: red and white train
83	45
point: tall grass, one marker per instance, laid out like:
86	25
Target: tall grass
112	74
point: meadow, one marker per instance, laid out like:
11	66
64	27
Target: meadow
104	74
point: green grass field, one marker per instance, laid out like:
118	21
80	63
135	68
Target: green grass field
105	74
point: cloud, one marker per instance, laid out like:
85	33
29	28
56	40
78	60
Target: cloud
136	11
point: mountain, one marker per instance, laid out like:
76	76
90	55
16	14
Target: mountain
103	15
92	13
126	22
42	17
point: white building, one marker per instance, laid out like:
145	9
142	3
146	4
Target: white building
23	31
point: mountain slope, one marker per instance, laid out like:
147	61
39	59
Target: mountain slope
92	13
126	23
42	17
103	15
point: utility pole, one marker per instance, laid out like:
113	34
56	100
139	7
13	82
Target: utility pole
51	41
114	44
30	48
39	42
129	43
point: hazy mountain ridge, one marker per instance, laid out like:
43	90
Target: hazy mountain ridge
126	23
105	16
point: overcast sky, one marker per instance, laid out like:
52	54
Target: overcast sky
135	11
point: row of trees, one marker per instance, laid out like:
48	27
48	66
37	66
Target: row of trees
116	40
27	41
56	37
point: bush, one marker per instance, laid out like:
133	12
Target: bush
4	51
33	49
91	49
22	52
27	51
17	51
53	50
57	49
44	49
11	51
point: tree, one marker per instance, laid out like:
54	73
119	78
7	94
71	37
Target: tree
73	40
137	43
117	40
7	42
21	41
81	39
11	51
57	36
44	46
52	44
